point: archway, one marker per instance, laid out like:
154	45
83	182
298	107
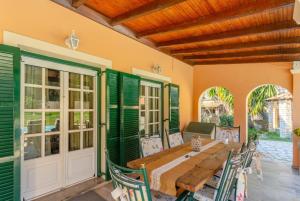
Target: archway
216	106
269	121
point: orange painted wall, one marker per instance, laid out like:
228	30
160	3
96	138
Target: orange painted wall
240	79
296	118
47	21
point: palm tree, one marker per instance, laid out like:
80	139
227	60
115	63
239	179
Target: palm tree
257	99
223	95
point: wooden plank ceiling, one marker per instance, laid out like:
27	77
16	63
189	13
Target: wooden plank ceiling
202	32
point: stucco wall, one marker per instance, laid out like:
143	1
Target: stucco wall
47	21
240	79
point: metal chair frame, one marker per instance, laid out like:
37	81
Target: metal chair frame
120	178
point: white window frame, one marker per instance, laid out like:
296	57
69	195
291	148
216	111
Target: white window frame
147	110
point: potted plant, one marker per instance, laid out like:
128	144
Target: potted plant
297	132
296	142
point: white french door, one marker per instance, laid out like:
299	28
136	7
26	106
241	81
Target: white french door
58	118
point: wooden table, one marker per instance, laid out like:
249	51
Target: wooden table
192	178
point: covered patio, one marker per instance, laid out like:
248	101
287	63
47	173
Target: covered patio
90	87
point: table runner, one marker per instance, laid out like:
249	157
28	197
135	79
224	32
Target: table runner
158	172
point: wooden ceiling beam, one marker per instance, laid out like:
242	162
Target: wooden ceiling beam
238	46
278	58
77	3
244	11
105	21
263	29
245	54
147	9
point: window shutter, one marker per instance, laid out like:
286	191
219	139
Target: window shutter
174	124
9	123
113	116
129	117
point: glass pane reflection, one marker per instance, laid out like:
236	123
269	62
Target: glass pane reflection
51	145
74	141
32	147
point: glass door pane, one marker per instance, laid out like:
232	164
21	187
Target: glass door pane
42	112
80	111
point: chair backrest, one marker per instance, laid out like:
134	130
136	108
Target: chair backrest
231	133
227	179
150	145
252	148
174	139
133	189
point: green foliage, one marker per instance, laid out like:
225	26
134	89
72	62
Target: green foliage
222	94
256	100
275	136
253	134
226	120
297	132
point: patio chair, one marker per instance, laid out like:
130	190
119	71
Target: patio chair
252	149
225	184
126	187
230	133
174	139
246	155
150	144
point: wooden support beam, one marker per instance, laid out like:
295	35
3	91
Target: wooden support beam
244	11
264	29
238	46
77	3
278	58
147	9
105	21
246	54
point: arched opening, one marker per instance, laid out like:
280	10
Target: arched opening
269	121
216	106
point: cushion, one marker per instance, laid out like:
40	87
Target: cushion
151	145
175	139
205	194
233	134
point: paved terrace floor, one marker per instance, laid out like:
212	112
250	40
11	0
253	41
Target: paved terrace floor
279	151
280	183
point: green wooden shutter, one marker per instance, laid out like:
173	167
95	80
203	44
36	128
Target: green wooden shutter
174	123
9	123
129	117
113	116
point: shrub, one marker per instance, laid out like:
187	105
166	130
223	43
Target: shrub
226	120
253	134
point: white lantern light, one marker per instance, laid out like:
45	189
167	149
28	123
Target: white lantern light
156	69
72	41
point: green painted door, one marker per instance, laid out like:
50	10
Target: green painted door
129	117
9	123
174	123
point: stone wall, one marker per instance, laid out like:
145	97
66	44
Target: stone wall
285	118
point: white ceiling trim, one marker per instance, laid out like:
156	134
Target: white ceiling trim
296	67
149	75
